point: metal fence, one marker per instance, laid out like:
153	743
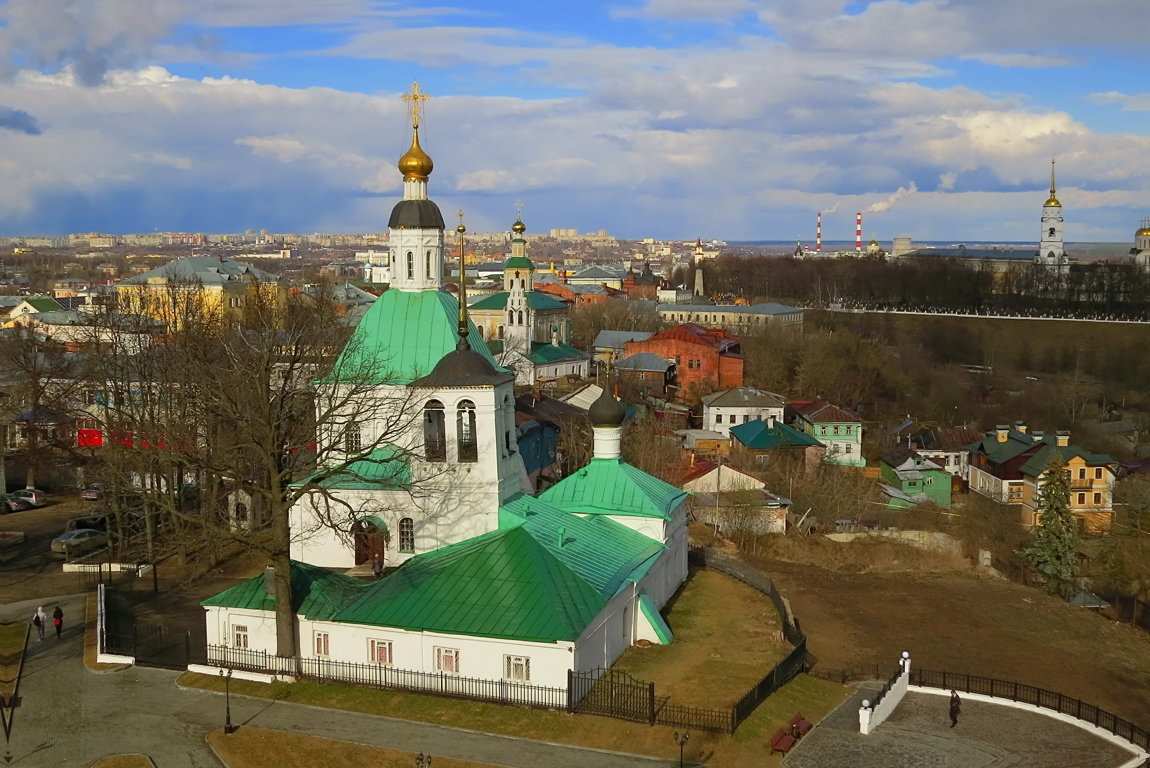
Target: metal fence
382	676
1029	694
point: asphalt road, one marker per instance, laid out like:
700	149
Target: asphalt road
29	569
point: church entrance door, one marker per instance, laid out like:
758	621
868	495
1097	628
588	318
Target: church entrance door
371	537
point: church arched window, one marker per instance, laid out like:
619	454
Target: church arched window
1051	232
511	317
352	440
427	265
499	333
407	535
521	317
482	331
466	438
434	432
517	274
410	265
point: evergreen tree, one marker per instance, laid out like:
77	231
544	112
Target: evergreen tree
1054	553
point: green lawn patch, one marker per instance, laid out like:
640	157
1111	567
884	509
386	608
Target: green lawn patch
13	638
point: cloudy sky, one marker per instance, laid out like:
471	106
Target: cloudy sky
733	119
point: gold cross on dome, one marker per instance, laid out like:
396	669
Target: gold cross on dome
518	209
460	228
415	98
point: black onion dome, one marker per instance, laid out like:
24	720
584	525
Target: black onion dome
463	367
606	411
415	214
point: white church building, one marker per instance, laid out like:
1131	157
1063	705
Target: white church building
493	583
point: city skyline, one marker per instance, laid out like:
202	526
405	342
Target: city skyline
672	119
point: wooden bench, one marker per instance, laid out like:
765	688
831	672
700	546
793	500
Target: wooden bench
800	726
781	742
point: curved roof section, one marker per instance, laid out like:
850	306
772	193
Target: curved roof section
518	262
614	487
463	368
402	337
415	214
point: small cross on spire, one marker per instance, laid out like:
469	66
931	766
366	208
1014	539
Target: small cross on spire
415	98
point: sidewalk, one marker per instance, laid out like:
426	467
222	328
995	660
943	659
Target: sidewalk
69	716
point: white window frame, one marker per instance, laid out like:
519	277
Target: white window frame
447	660
516	669
374	646
240	636
321	643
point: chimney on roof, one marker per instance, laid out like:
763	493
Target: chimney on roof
1002	432
1038	436
1062	438
562	537
1020	426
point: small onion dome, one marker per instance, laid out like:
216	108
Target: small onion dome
606	411
1052	201
1144	232
519	227
415	165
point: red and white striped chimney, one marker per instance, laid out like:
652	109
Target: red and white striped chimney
819	231
858	231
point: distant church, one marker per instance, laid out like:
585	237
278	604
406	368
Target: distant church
493	583
1051	249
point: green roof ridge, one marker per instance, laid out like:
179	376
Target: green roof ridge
614	487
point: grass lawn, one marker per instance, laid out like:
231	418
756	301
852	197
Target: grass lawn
261	748
703	667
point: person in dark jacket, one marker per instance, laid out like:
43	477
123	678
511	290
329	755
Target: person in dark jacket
955	707
58	620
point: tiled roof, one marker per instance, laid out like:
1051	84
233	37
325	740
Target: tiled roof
614	487
757	435
404	335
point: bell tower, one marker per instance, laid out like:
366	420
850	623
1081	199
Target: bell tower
416	225
1051	251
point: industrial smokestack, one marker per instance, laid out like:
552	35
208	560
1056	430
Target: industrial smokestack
858	231
819	231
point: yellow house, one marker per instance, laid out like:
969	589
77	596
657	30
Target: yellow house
214	287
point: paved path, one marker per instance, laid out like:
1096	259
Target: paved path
918	735
69	717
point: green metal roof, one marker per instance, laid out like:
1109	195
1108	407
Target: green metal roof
604	553
317	593
1038	463
662	631
614	487
402	336
387	467
502	584
536	300
44	304
518	262
758	435
545	352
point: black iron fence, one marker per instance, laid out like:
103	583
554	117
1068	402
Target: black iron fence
886	688
1029	694
382	676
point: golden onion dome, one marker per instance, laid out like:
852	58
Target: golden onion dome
415	165
1144	232
519	227
1052	201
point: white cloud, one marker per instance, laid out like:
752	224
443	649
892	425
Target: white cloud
1129	102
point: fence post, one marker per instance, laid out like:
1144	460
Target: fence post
651	703
570	690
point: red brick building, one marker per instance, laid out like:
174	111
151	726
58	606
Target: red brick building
706	359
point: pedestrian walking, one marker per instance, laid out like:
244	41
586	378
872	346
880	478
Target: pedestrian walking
58	620
955	707
377	565
39	620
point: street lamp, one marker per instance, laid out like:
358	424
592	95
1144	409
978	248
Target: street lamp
228	727
423	761
682	742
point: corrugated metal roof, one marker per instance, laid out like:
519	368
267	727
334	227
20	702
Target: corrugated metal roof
387	467
503	584
544	352
757	435
535	300
317	593
403	335
614	487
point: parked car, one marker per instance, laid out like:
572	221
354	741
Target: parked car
79	542
92	492
13	504
33	496
96	521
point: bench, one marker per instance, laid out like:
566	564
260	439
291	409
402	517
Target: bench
800	726
781	742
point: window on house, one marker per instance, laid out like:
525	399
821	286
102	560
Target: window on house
410	265
1098	473
848	429
822	430
846	448
434	432
1081	499
468	442
925	481
746	418
447	660
239	636
836	430
517	669
379	652
1082	473
322	644
352	440
407	535
1097	499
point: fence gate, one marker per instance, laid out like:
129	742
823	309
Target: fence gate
613	693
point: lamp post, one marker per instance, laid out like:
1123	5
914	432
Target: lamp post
681	740
423	761
228	727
